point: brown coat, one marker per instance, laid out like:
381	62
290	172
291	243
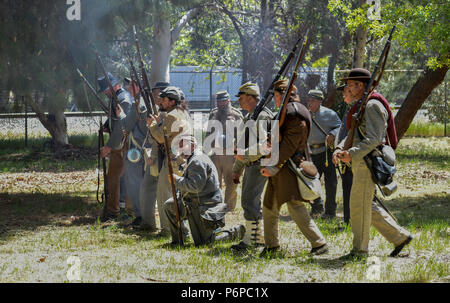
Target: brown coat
283	186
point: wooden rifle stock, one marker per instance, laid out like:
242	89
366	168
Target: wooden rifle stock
147	86
370	87
172	183
101	143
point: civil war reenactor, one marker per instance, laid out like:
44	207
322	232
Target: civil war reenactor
253	182
201	200
115	147
173	120
157	162
224	163
142	183
376	126
282	186
325	125
345	170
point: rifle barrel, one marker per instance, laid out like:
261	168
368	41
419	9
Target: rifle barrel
371	85
147	86
102	105
287	94
269	92
115	100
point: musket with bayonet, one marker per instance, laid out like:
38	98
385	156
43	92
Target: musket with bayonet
370	87
102	105
269	93
145	80
281	115
172	183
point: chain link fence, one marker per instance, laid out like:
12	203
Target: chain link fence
200	87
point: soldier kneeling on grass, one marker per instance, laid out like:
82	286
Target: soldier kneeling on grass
201	201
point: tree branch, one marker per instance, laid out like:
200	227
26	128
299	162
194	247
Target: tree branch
237	25
175	33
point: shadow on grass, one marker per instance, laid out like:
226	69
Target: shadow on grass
438	159
26	212
421	212
40	156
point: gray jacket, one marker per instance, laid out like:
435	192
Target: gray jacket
199	184
265	114
131	123
373	128
116	126
329	121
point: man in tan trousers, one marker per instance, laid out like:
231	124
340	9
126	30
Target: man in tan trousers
364	212
282	186
174	122
224	163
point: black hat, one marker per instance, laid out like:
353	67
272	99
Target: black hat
161	85
103	83
358	74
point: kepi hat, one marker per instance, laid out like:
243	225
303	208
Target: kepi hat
222	95
281	86
316	94
171	92
249	88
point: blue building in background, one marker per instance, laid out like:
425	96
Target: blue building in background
200	86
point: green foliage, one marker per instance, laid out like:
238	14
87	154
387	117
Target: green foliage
208	41
421	26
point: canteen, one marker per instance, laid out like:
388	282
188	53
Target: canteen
134	155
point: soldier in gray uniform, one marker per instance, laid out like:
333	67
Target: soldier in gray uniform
253	182
115	147
324	127
201	201
141	185
372	132
224	163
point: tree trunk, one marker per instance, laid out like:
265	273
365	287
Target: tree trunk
55	122
360	43
331	96
418	94
267	45
164	40
161	51
57	127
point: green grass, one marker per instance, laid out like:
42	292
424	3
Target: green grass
38	156
426	129
433	151
43	224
